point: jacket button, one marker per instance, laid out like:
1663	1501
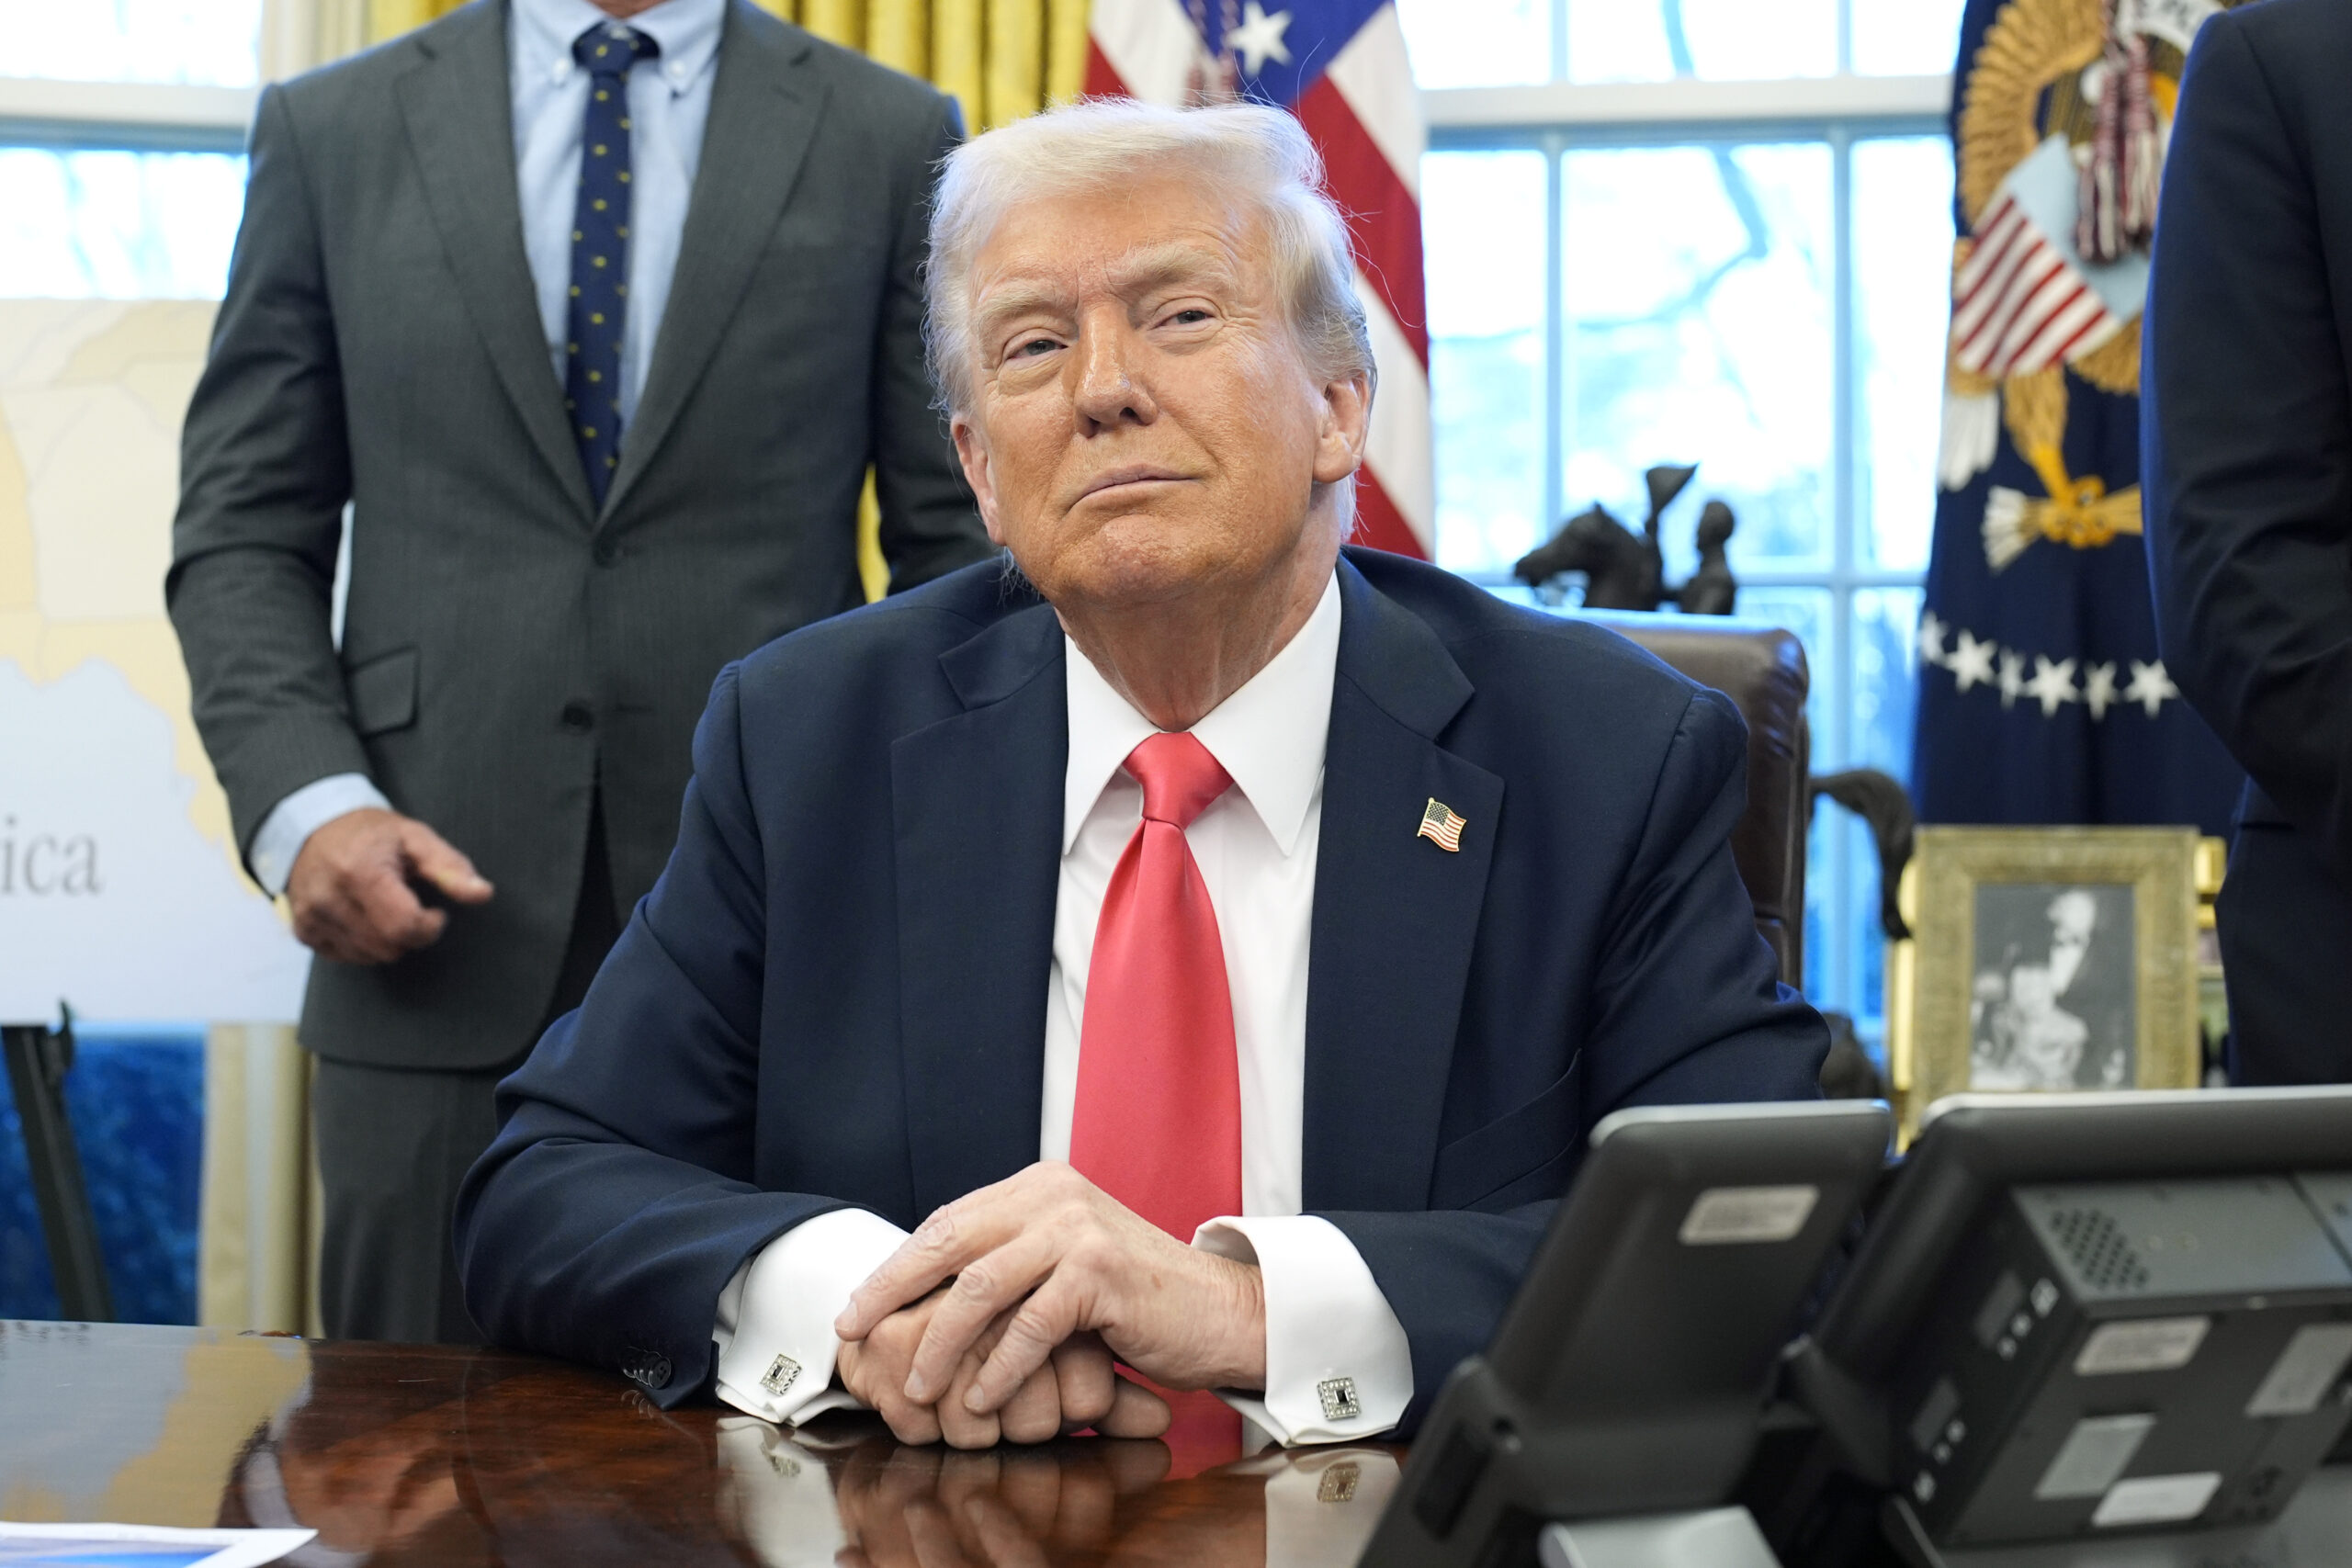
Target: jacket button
578	717
606	553
649	1368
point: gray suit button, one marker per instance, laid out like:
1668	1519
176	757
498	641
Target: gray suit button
648	1367
578	717
606	553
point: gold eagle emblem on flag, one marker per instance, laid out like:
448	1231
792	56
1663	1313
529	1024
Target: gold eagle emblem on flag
2063	111
1441	826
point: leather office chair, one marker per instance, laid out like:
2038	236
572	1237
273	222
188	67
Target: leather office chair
1761	669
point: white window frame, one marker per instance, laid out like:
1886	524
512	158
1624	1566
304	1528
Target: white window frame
1558	117
162	117
140	117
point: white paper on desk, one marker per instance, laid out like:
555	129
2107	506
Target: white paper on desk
142	1546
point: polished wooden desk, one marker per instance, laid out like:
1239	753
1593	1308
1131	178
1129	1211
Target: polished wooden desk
408	1454
403	1454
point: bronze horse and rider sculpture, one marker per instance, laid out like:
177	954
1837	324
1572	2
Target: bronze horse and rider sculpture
1625	570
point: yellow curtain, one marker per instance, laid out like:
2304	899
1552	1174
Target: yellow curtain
258	1237
1002	59
389	18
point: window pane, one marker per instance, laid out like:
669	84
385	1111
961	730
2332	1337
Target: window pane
1886	672
1902	308
117	225
1886	677
1905	38
1478	43
1482	223
1698	290
210	42
1653	40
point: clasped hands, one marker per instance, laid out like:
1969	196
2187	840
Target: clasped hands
999	1318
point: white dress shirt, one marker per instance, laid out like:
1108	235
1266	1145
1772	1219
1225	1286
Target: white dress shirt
669	103
1338	1365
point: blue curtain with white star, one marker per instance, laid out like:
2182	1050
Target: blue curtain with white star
2042	697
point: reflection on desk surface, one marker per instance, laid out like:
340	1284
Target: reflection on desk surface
408	1454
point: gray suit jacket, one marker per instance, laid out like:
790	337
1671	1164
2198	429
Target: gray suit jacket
507	646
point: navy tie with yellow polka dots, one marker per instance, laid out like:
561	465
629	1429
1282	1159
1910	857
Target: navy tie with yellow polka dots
599	304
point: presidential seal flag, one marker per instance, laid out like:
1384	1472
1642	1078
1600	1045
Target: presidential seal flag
1339	66
2043	696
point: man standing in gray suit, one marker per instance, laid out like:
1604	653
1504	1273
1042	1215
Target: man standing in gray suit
597	315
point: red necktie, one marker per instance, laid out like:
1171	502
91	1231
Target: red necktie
1157	1119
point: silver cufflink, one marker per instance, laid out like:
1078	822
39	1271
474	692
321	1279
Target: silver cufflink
1338	1484
784	1371
1339	1397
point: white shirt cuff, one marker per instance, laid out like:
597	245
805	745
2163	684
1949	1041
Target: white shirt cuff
1339	1368
775	1332
293	819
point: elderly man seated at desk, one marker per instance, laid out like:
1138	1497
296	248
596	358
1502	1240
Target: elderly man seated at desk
1215	943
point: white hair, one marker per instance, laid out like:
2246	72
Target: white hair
1248	153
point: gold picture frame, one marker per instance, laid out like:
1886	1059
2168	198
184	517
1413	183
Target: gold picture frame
2063	1004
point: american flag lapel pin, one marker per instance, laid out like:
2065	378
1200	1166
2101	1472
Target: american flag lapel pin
1441	826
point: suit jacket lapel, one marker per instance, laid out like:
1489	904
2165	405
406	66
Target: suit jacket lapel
978	867
458	107
763	110
1394	915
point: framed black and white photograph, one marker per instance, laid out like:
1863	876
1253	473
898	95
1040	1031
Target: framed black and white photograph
2046	959
2050	1002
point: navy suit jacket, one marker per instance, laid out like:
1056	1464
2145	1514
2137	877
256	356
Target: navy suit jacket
836	994
2247	435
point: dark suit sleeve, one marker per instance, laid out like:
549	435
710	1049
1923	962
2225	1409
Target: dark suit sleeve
265	472
930	525
2246	429
1688	1012
617	1199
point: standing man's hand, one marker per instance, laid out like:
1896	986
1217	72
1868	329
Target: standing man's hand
353	886
1055	1255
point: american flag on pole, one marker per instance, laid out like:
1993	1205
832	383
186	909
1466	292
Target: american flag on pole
1339	66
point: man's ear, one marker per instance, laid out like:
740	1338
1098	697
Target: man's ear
973	454
1346	423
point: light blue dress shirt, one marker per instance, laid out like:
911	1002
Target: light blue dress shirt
669	103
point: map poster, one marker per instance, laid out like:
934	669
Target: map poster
120	891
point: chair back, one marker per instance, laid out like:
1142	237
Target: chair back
1761	669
